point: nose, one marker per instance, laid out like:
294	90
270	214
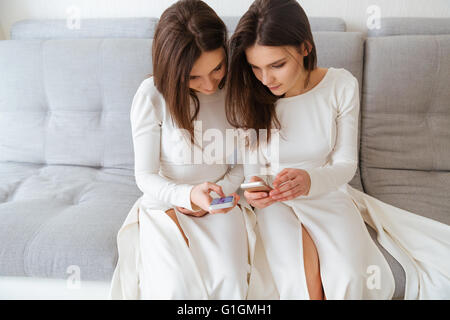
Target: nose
209	84
266	78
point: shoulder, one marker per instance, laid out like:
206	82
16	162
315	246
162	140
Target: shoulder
344	80
346	89
148	99
343	77
345	84
147	87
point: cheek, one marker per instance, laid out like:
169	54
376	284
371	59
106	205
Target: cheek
257	74
193	84
288	75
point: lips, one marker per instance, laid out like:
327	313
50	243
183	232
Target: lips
275	87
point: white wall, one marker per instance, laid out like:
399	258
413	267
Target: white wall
2	35
352	11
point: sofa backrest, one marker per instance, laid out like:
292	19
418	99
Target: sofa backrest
46	29
67	101
405	141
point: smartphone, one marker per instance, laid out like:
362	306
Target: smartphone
222	203
255	186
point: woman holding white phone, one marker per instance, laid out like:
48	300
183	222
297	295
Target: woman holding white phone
172	246
312	222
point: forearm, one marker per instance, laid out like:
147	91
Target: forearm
328	178
165	190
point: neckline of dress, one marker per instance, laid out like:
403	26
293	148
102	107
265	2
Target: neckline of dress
321	82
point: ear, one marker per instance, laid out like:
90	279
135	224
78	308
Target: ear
305	48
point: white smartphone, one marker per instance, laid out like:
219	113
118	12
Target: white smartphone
222	203
255	186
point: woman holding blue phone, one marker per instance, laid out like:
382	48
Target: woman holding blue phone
173	245
274	83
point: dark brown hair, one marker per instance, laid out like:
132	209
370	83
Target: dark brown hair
250	104
184	31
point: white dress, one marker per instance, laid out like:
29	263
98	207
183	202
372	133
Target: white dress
154	260
319	131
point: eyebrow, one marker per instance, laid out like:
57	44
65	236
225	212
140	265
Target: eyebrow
191	75
272	63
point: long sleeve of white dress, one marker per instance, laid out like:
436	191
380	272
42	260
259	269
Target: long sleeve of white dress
146	131
343	160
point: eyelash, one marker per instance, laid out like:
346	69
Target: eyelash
276	67
279	66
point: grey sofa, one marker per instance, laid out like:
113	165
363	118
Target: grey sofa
66	156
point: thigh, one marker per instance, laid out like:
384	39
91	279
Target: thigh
217	241
281	234
335	225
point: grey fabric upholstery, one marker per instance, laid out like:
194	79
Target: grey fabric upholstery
393	26
46	29
69	100
53	217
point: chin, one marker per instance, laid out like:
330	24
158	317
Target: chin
278	92
208	92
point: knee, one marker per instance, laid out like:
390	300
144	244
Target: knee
232	266
350	272
234	278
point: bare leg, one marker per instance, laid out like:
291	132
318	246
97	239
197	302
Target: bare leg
312	267
171	213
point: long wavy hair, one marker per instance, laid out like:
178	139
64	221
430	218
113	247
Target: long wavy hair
184	31
250	104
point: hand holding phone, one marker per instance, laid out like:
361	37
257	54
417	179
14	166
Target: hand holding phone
257	193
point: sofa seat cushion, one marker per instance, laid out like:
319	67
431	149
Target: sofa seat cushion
57	219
